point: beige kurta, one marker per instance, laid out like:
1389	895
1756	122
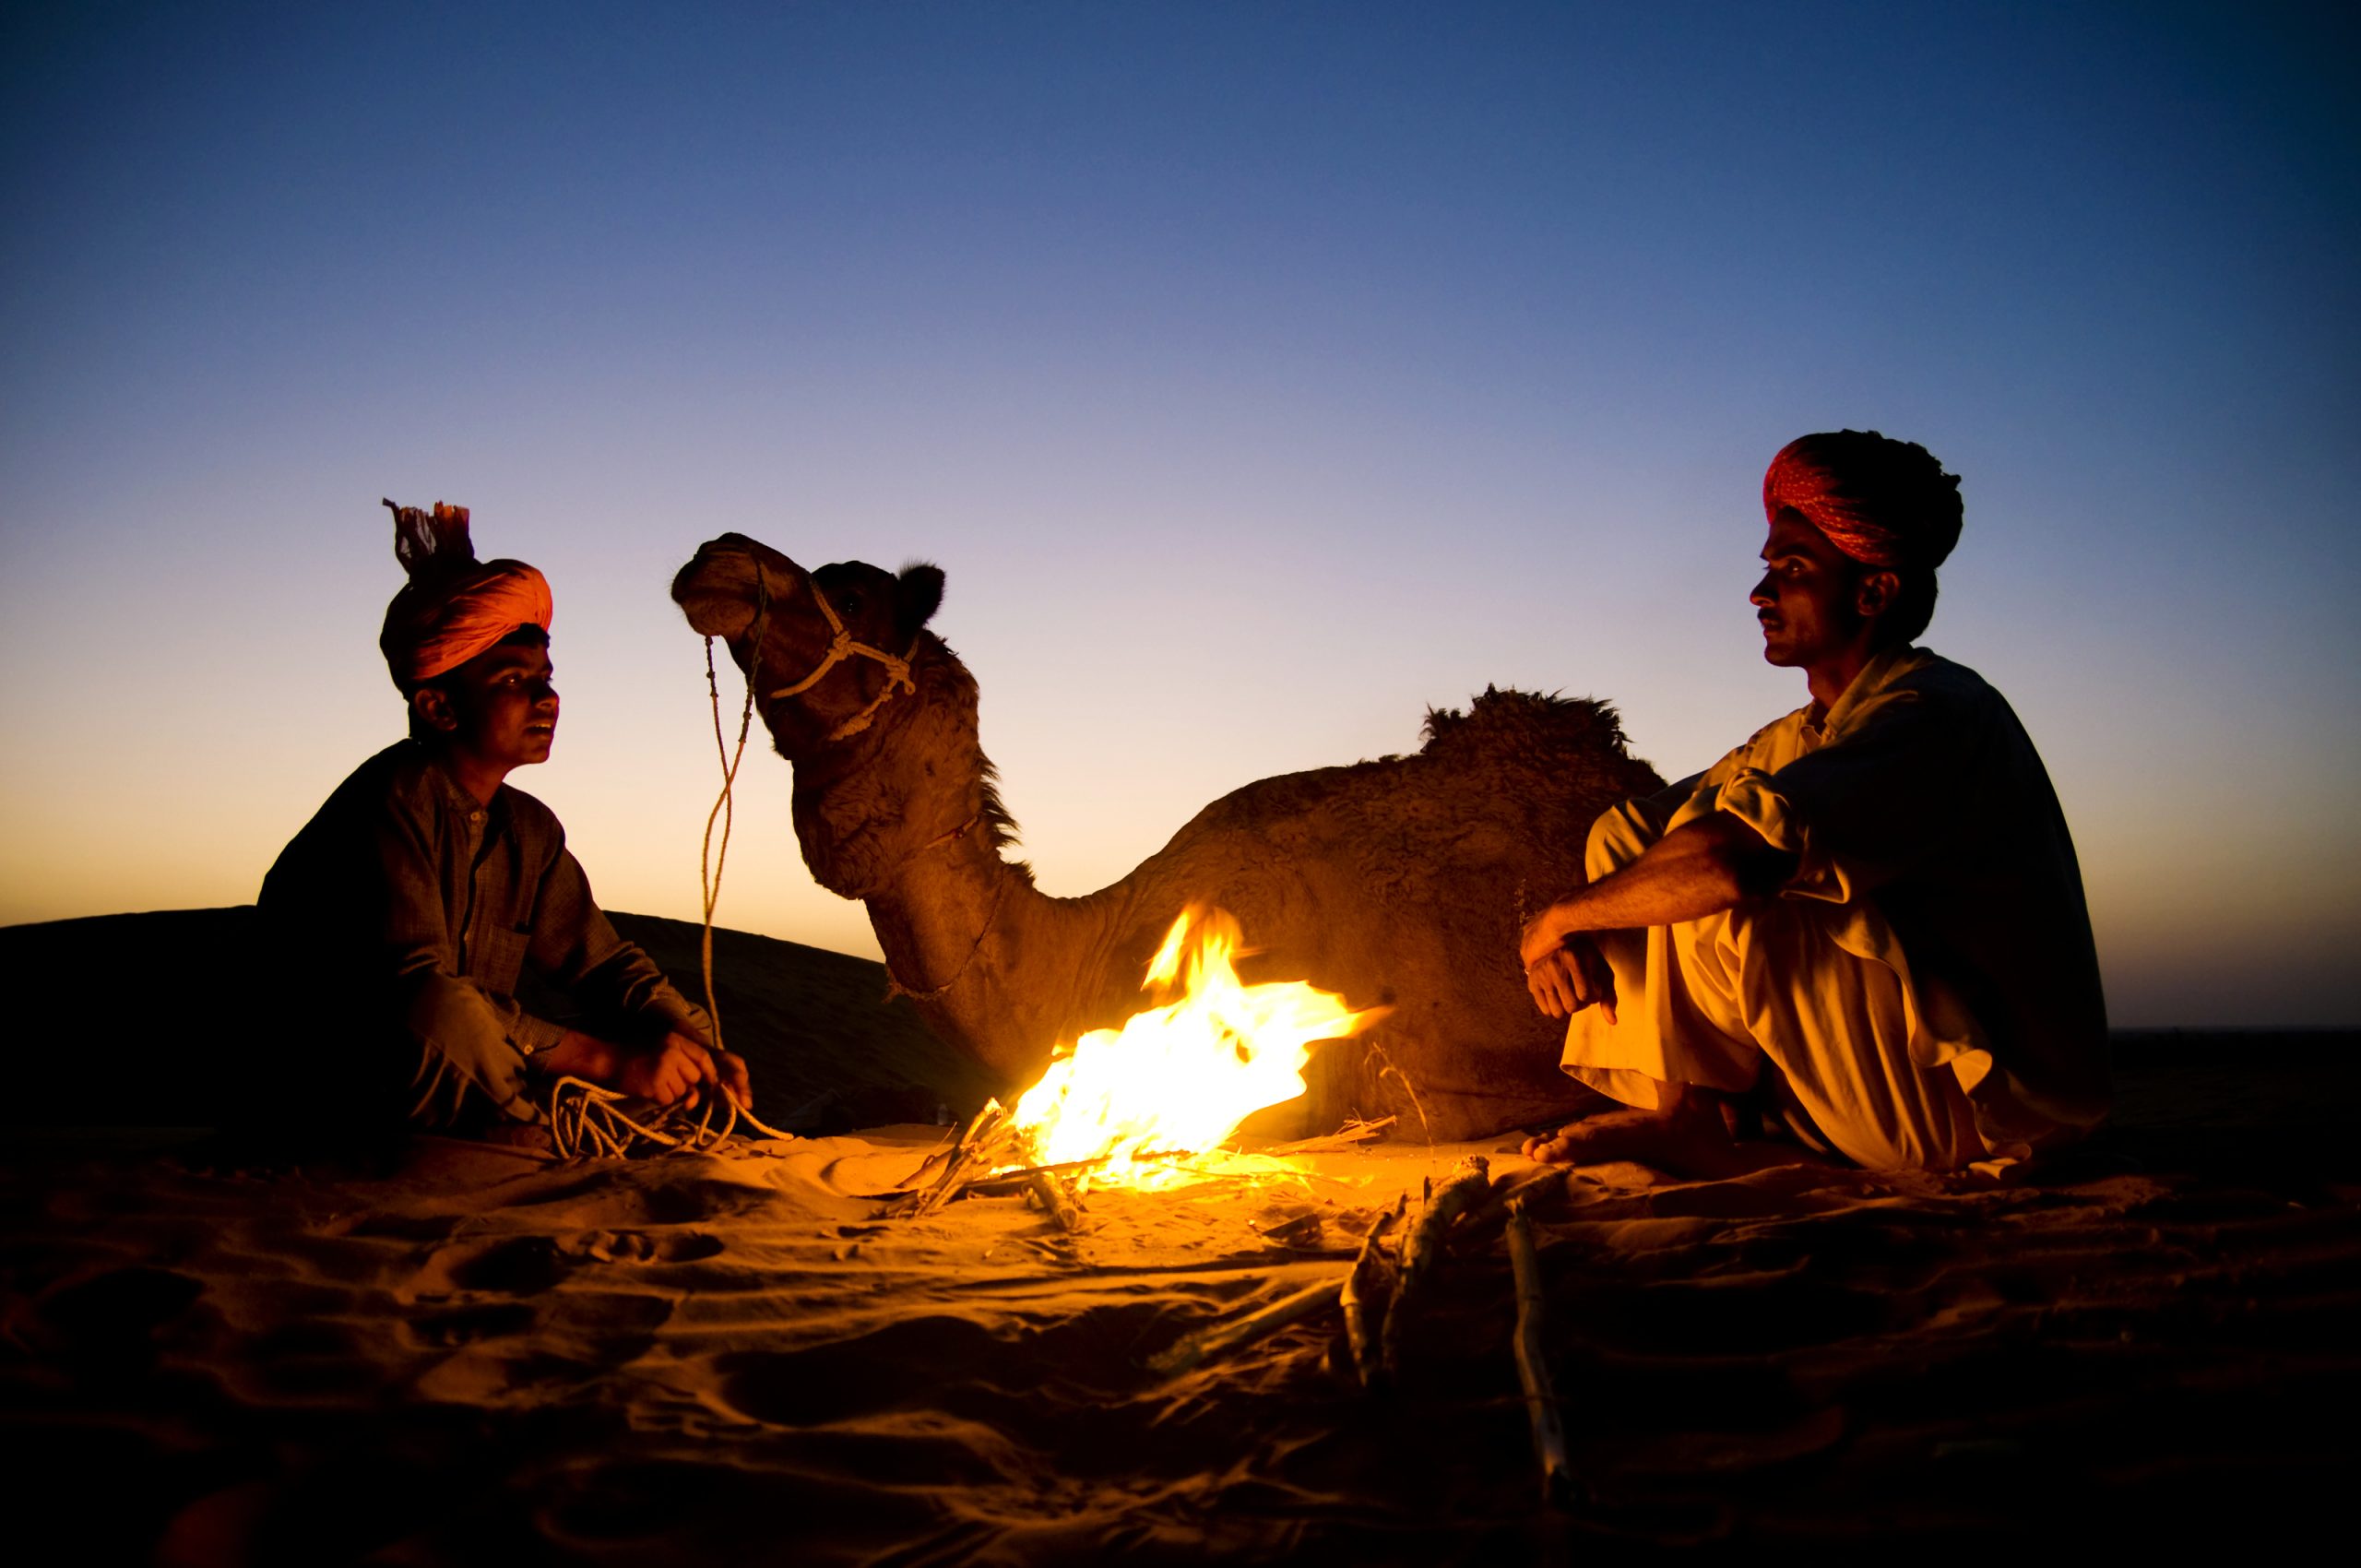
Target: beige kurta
1926	982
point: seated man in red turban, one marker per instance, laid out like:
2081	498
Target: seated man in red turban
410	906
1866	924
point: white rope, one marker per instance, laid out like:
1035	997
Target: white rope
842	647
587	1121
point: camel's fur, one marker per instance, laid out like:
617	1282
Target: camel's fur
1397	882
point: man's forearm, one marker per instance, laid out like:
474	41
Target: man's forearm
1697	870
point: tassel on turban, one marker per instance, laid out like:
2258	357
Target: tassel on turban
1884	503
454	607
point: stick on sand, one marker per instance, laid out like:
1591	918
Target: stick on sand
1193	1350
963	1167
1056	1201
1422	1248
1364	1299
1354	1134
1532	1363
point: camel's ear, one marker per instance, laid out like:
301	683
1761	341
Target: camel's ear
920	595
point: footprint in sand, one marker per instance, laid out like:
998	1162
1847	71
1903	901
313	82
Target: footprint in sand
638	1246
527	1266
466	1326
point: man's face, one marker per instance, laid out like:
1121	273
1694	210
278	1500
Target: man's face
502	709
1806	598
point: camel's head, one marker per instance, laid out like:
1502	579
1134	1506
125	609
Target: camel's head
775	616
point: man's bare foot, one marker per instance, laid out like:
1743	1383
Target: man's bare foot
1687	1137
1668	1142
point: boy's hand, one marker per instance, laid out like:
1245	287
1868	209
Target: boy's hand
674	1070
681	1069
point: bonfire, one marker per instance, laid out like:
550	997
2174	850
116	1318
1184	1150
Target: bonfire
1179	1077
1156	1102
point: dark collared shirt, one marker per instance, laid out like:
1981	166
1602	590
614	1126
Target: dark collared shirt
408	911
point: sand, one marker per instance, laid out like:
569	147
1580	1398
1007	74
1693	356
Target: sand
477	1356
482	1356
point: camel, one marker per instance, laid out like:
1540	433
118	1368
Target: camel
1400	883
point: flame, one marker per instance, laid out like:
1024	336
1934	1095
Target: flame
1179	1077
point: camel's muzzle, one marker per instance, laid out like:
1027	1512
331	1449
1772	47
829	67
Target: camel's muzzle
716	590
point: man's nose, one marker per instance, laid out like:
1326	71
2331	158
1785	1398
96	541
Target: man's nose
1763	594
544	695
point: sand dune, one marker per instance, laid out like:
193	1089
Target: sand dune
163	998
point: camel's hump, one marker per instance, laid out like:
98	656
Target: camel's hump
1511	753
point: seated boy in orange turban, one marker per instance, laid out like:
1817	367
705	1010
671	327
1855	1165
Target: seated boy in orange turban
407	907
1867	921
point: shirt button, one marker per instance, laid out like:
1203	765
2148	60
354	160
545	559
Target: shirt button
475	817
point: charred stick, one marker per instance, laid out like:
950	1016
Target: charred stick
1193	1350
1422	1248
1056	1201
1364	1298
1532	1360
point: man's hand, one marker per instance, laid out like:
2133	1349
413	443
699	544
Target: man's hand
1570	977
681	1068
1543	935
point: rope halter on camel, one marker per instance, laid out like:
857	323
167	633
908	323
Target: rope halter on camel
842	646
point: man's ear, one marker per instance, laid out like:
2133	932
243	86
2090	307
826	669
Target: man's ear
1876	593
919	596
430	706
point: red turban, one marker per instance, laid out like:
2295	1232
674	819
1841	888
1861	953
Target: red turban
1884	503
454	607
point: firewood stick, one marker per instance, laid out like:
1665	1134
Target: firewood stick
1351	1137
1364	1299
1532	1361
964	1164
1513	1189
1193	1350
1003	1183
1422	1248
1056	1201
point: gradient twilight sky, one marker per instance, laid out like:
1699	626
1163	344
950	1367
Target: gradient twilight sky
1260	373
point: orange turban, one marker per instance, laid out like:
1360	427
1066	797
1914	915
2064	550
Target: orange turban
1884	503
454	607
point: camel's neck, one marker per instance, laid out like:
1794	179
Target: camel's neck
992	963
906	823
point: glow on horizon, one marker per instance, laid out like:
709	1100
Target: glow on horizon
1458	348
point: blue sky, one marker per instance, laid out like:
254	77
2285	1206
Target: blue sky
1260	375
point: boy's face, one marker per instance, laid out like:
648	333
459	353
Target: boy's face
498	707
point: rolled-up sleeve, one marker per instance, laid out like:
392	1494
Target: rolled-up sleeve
1870	805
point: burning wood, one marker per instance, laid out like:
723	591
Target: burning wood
1183	1073
1120	1105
